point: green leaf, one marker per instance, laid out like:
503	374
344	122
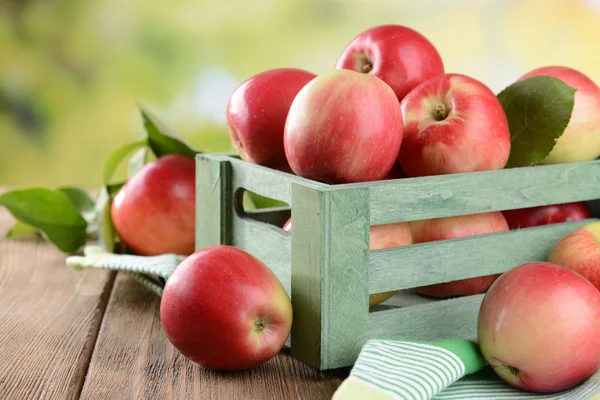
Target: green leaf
81	200
137	161
538	111
52	212
161	141
114	188
21	229
118	155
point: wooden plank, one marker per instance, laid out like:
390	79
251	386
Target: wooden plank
268	243
214	202
49	319
435	320
443	261
266	181
134	359
330	249
460	194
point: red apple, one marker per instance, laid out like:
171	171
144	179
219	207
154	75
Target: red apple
452	228
224	309
544	215
453	124
580	251
401	56
381	237
256	114
343	127
153	213
539	326
581	139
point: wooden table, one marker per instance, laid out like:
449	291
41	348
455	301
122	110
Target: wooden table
97	335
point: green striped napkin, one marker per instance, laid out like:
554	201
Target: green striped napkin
150	271
443	370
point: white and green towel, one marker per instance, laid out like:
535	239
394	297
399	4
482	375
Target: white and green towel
442	370
385	369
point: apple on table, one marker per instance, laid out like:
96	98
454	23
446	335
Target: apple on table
538	327
225	309
153	213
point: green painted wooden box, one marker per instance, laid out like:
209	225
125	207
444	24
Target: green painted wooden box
326	264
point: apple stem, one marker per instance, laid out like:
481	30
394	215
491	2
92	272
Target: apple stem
441	112
366	65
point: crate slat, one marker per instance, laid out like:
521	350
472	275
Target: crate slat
265	181
472	193
273	248
447	260
436	320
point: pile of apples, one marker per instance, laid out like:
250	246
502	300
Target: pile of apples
387	110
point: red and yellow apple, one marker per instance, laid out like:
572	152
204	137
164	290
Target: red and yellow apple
400	56
581	139
544	215
225	309
453	124
343	127
538	327
380	237
153	213
256	114
452	228
580	252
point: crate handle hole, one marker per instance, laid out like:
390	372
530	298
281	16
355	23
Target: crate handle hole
250	205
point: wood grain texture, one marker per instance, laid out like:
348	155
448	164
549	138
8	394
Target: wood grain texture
214	201
49	319
134	360
268	243
448	260
435	320
266	181
329	257
460	194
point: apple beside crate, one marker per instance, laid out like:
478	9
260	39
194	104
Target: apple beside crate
326	266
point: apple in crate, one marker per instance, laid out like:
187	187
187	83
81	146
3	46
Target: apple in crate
343	127
256	114
153	213
380	237
453	228
452	124
225	309
400	56
539	327
544	215
580	252
581	139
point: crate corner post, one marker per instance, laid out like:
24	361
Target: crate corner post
214	200
330	251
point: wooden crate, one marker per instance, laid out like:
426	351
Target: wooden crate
326	264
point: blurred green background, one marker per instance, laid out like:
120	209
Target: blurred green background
72	72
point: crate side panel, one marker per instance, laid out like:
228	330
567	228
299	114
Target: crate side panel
213	201
266	242
436	320
461	194
448	260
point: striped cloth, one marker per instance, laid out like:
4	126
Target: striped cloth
150	271
442	370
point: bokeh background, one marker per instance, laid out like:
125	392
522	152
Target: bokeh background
72	72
